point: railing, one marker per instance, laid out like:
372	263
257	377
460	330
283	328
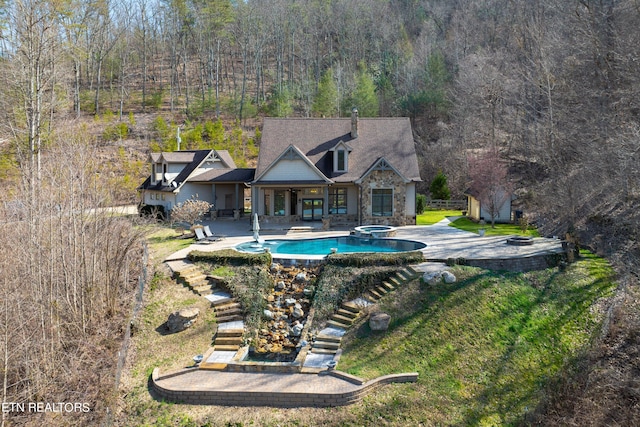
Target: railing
446	204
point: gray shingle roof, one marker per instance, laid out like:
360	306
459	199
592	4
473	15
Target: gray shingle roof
390	138
193	159
225	175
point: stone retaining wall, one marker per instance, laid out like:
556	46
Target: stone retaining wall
520	265
275	399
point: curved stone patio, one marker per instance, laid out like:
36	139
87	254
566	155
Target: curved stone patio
329	388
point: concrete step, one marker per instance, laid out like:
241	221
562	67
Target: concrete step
338	324
224	300
328	338
395	282
370	297
323	351
326	344
404	275
381	290
354	308
201	285
374	293
388	286
232	305
191	280
189	268
230	318
229	333
412	271
343	319
225	347
190	272
228	341
228	313
348	314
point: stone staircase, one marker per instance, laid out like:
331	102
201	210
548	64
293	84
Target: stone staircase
195	279
228	340
401	277
227	310
348	313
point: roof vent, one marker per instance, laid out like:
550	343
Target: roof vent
354	123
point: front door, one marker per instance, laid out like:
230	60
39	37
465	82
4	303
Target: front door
312	209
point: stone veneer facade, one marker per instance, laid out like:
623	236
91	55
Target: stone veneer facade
385	179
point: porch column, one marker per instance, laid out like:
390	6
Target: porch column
254	200
325	205
237	198
213	196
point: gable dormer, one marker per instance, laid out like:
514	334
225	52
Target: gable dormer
341	157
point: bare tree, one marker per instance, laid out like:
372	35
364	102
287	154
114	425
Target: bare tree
489	182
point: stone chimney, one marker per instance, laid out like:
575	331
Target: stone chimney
354	123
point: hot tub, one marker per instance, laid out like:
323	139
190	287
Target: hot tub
375	231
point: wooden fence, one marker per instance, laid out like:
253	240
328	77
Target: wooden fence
446	204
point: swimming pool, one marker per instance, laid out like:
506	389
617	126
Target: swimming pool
327	245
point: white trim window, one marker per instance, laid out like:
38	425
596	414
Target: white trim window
382	201
341	160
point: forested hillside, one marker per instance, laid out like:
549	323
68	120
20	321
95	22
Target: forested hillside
88	87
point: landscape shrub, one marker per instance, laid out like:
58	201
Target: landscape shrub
155	211
375	259
421	203
230	257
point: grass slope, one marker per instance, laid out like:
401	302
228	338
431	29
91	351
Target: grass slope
485	347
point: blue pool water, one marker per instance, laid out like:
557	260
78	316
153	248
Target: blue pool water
324	246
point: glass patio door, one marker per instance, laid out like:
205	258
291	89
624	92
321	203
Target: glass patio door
312	209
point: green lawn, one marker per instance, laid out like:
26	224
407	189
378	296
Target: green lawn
430	217
466	224
164	241
484	347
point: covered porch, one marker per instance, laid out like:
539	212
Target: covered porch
313	202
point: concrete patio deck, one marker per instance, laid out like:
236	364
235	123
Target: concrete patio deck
443	241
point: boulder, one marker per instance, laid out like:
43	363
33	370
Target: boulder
290	301
268	314
182	319
432	278
301	276
379	321
297	311
296	329
448	277
280	285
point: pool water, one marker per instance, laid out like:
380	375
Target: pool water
324	246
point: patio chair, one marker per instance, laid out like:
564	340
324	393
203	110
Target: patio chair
210	235
200	237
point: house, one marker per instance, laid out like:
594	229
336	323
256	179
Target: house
345	171
342	171
481	206
209	175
